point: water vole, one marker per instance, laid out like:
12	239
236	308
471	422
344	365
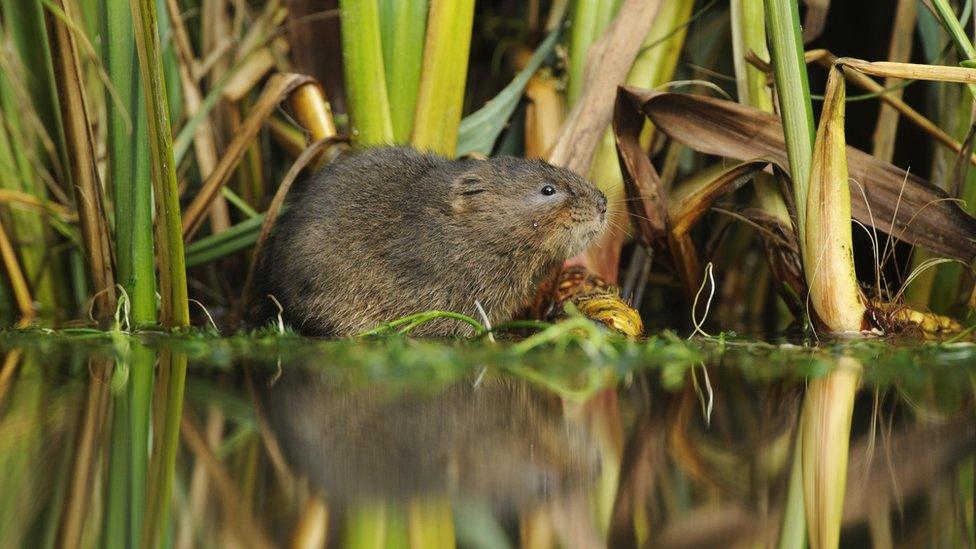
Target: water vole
388	232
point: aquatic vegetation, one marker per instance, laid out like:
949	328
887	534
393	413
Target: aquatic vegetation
149	146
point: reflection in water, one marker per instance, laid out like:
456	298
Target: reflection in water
499	441
101	446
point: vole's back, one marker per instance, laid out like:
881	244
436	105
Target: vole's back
390	232
326	260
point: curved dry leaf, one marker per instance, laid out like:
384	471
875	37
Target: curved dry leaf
277	89
893	200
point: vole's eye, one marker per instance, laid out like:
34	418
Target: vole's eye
548	190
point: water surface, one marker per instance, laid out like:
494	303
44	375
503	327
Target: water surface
115	440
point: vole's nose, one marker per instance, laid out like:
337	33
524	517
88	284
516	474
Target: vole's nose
601	204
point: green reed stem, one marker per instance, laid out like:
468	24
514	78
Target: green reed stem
793	91
169	233
129	166
366	86
441	95
404	28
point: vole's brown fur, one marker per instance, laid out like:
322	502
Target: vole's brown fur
389	232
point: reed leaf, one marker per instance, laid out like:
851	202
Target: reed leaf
175	310
129	170
441	95
793	92
25	21
238	237
32	95
82	163
366	86
18	284
404	27
828	251
479	130
894	201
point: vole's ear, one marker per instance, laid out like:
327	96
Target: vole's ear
464	189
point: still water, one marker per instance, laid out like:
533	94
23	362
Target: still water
116	441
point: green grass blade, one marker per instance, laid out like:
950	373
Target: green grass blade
479	130
236	238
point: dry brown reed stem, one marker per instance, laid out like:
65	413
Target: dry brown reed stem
7	369
312	529
257	65
84	461
244	525
608	62
18	284
204	143
913	71
899	50
34	203
277	89
82	166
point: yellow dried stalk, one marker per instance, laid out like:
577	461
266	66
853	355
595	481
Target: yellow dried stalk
828	257
825	430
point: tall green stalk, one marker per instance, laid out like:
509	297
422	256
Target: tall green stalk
128	145
169	233
588	19
404	27
793	91
366	90
441	95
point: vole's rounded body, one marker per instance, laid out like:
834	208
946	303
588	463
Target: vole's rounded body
389	232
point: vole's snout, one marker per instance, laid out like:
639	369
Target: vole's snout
601	204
